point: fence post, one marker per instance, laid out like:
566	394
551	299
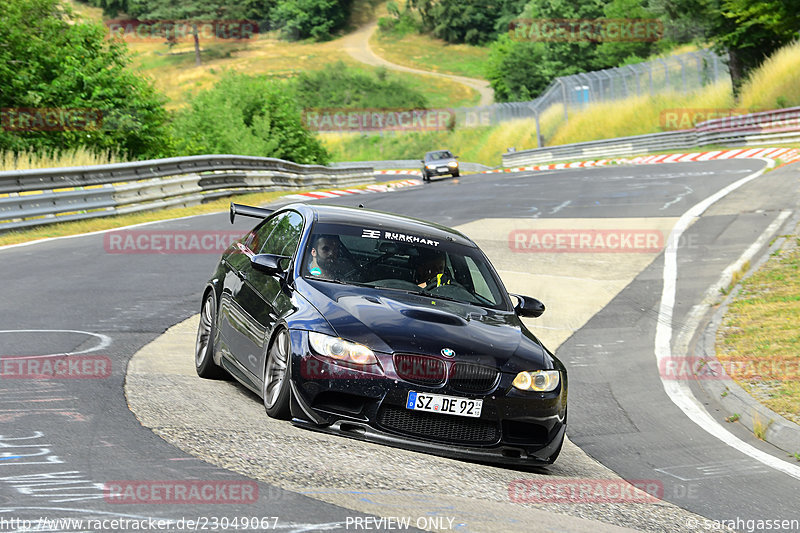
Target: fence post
539	136
564	97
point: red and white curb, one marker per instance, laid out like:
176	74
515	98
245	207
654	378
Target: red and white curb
787	155
398	172
316	195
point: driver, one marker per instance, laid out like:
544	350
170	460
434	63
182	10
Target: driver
430	269
326	254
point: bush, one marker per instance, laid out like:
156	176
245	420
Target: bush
247	115
399	24
338	86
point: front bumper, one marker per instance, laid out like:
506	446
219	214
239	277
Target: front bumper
515	427
441	171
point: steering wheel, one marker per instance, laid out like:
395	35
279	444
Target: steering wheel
435	282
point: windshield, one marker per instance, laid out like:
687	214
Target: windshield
437	156
398	260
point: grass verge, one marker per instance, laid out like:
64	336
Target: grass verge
477	145
426	53
759	339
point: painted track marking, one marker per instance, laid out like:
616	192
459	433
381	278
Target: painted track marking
678	391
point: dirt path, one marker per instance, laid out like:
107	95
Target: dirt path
357	45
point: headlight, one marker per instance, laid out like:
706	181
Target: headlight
340	349
452	164
537	380
431	167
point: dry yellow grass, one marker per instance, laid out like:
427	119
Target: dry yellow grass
70	158
637	115
776	83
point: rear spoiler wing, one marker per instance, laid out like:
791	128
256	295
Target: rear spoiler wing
249	211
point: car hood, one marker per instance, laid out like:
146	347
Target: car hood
399	322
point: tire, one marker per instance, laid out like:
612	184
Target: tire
456	174
275	389
204	346
425	176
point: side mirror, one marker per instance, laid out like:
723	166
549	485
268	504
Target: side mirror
267	263
527	306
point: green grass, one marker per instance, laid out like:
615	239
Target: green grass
760	332
427	53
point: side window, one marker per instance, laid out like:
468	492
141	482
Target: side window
285	236
259	236
478	281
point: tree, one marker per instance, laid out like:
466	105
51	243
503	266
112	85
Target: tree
190	12
318	19
747	31
751	31
52	62
616	53
249	116
467	21
520	70
523	61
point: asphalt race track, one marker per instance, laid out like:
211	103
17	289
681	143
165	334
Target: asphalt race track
62	440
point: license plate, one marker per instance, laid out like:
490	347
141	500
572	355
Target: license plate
442	169
445	405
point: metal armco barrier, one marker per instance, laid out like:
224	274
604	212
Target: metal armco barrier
45	196
416	164
768	127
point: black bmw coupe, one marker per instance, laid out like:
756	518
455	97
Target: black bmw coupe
382	328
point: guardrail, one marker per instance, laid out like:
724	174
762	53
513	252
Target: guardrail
767	127
45	196
416	164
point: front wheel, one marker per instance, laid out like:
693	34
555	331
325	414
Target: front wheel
275	390
204	347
